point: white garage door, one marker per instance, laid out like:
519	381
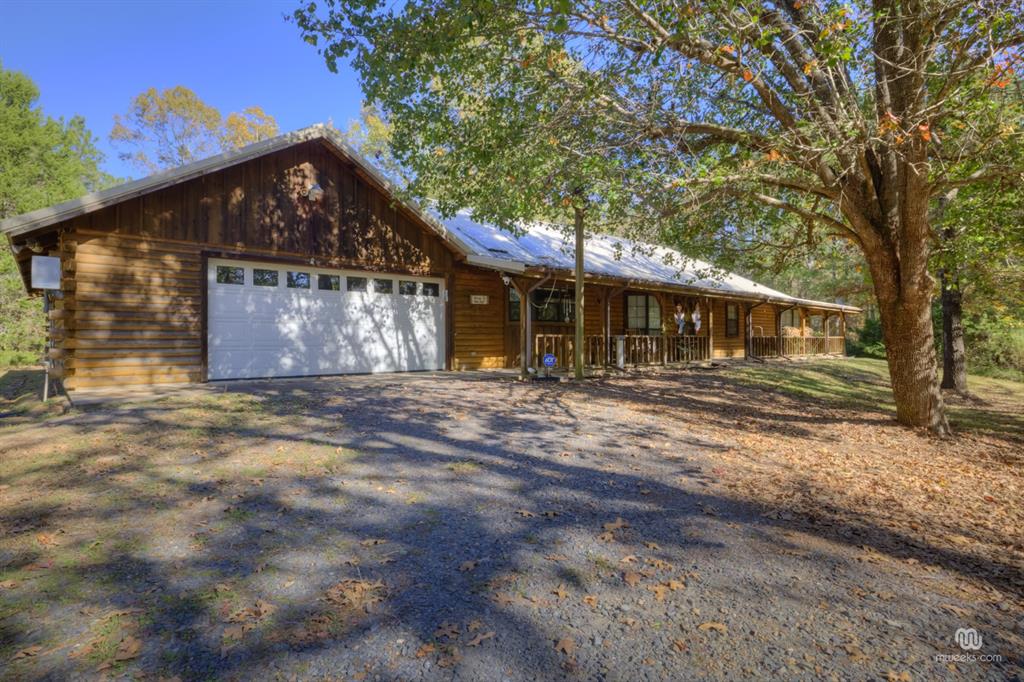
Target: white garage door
272	320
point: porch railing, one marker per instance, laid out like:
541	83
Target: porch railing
636	349
768	346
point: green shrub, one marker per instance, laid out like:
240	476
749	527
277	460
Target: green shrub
869	342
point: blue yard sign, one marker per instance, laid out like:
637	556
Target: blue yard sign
549	360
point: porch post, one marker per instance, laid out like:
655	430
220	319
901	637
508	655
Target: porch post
803	332
711	328
748	323
524	328
842	329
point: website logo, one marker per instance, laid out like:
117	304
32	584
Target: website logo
969	639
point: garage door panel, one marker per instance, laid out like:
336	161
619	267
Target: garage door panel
260	331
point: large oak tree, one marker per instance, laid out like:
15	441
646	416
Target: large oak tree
833	113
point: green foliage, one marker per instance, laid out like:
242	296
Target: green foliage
42	161
869	342
164	129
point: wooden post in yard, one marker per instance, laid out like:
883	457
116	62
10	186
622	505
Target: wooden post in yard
578	345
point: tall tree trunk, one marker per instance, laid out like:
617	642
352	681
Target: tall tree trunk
906	317
954	361
578	345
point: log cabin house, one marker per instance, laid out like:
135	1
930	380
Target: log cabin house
290	257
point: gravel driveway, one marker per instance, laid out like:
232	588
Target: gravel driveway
450	527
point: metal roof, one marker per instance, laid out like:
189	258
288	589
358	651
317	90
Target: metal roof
543	245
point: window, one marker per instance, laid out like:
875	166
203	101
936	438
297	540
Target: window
732	319
298	280
789	318
835	326
816	324
383	286
643	314
431	289
328	282
227	274
554	305
264	278
513	305
355	283
406	288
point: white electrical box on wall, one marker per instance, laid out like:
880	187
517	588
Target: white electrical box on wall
45	272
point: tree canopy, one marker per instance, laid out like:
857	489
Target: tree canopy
164	129
815	116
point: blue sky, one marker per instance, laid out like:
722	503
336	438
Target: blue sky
92	58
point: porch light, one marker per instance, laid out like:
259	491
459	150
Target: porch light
315	192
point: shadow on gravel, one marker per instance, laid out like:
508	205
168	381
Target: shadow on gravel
318	526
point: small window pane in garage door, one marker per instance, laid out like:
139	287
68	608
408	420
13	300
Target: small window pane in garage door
264	278
383	286
431	289
328	283
406	288
298	280
227	274
356	283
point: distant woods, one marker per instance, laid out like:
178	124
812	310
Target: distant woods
172	127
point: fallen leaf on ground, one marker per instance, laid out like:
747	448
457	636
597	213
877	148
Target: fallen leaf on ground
590	600
525	514
8	584
28	652
632	579
713	625
356	594
450	659
447	629
480	638
652	545
560	591
373	541
566	645
628	559
616	524
679	645
467	566
606	536
425	650
128	649
893	676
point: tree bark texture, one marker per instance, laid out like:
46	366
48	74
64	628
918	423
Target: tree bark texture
954	359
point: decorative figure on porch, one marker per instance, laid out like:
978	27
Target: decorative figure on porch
680	319
696	320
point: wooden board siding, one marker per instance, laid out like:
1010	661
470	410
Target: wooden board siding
763	320
135	280
727	346
479	328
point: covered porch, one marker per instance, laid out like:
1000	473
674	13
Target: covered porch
630	325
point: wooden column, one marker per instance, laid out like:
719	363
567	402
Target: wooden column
748	329
580	329
524	327
711	328
842	330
